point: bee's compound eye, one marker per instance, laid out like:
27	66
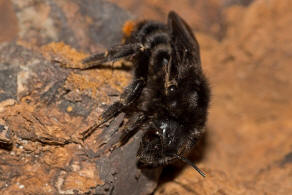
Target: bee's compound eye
171	89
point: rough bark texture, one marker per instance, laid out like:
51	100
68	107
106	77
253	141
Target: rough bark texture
44	107
246	52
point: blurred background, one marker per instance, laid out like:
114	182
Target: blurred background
246	51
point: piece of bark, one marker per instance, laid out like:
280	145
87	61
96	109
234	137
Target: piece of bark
44	107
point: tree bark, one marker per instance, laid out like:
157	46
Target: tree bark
44	107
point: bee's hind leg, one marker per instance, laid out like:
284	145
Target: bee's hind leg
113	54
132	92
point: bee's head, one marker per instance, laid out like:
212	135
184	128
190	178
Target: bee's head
187	96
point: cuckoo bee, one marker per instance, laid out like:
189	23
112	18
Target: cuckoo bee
169	95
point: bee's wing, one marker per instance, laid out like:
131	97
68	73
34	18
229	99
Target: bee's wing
185	45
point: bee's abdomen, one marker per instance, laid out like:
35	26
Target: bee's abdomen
148	27
155	38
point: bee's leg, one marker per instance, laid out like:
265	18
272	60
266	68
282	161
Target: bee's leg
130	94
115	53
133	125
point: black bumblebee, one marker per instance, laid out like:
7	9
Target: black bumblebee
169	95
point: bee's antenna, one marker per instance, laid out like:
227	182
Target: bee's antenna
191	164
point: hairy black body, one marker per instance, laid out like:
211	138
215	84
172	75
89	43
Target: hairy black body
169	95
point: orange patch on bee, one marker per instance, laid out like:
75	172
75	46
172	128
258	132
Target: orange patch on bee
128	28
